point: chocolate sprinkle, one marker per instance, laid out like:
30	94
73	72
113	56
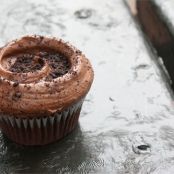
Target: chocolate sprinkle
26	63
15	84
16	96
58	63
31	62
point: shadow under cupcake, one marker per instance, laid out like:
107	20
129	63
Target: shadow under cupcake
43	83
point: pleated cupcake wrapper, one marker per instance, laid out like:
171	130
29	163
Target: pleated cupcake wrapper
41	130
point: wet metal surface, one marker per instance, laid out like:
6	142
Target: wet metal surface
126	125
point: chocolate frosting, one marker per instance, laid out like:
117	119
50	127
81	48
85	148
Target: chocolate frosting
30	94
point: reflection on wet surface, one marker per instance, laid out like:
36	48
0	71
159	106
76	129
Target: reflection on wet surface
126	125
69	155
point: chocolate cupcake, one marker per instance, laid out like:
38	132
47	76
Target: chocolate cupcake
43	83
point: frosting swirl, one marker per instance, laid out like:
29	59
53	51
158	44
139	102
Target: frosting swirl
29	93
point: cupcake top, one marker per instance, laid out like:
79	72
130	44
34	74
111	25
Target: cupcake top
42	75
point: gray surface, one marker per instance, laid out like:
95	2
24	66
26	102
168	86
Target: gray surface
128	105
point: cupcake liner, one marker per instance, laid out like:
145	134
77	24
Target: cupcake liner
40	130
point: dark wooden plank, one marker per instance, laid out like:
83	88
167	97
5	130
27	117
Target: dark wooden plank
156	31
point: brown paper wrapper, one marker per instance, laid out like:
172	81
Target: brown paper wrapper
41	130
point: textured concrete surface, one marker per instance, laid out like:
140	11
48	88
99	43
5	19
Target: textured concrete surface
126	125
